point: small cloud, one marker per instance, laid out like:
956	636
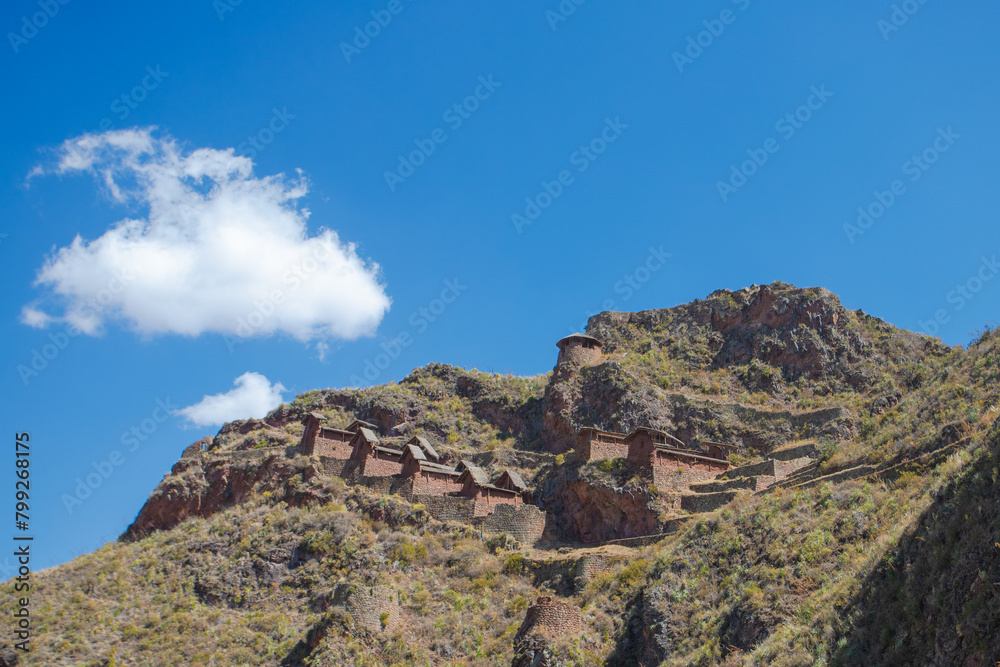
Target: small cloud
321	349
212	249
253	397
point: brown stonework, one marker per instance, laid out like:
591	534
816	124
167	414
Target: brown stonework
579	349
550	617
374	608
783	469
676	472
706	502
338	467
597	445
593	564
526	523
717	450
438	483
333	442
487	499
380	467
194	450
448	508
359	424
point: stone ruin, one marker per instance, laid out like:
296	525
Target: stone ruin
372	607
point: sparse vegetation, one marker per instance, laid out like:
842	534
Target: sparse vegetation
900	567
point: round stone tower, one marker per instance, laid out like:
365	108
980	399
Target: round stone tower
579	349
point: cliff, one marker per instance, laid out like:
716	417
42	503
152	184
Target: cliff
858	525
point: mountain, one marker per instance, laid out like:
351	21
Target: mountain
758	477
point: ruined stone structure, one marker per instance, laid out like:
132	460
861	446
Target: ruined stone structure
596	445
672	465
372	607
323	441
579	349
691	480
548	616
195	449
593	564
477	486
414	470
427	477
526	523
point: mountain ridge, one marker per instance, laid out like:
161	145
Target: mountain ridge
895	422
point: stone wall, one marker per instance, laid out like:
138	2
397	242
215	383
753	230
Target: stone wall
597	450
386	485
783	469
747	483
338	467
448	508
194	450
259	453
706	502
372	607
593	564
380	468
487	500
677	474
578	354
337	449
526	523
548	616
765	469
425	482
807	450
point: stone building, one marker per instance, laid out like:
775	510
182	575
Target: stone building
593	444
548	616
321	440
414	469
476	485
371	606
579	349
673	465
717	450
375	460
510	481
427	477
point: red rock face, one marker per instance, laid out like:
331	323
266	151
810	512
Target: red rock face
594	514
197	488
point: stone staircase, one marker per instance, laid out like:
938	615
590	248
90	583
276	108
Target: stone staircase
794	466
803	474
792	462
807	477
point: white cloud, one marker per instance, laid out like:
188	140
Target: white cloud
254	396
217	250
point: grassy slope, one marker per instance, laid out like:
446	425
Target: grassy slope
798	577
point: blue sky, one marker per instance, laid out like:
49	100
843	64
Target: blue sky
611	119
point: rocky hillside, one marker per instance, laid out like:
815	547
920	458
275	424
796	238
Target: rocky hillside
885	550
